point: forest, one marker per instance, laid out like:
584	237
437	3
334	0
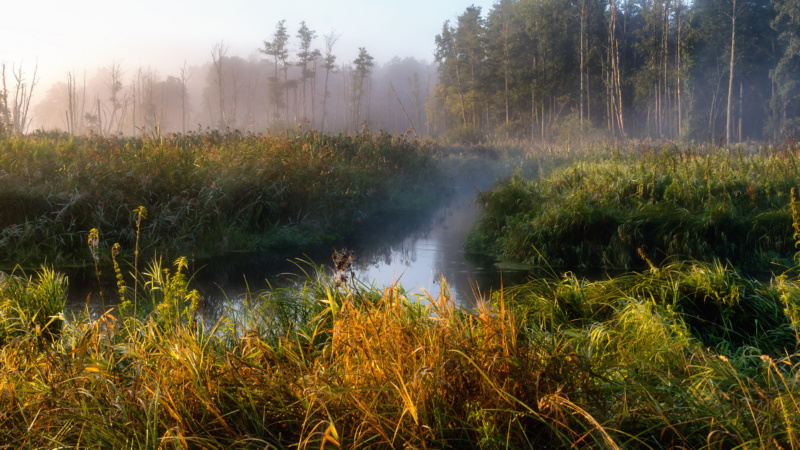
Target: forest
705	70
540	70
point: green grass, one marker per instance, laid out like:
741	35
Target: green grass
653	359
687	203
204	193
27	303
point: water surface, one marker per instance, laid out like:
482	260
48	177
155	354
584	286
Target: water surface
416	250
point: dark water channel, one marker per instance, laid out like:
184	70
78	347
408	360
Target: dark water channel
414	250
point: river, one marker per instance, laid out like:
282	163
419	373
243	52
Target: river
415	250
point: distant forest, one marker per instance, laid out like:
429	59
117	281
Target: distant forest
720	70
540	70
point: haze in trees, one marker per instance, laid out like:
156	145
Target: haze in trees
542	70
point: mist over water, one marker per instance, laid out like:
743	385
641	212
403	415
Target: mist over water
413	250
423	256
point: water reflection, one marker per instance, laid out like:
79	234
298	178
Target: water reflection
414	249
423	254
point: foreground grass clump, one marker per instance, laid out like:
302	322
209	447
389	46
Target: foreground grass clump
627	362
31	304
208	193
703	204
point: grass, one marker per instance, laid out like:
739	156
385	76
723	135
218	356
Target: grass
204	193
653	359
688	203
685	353
27	303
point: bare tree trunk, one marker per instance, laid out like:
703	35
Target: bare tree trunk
607	81
730	76
115	87
99	116
505	68
411	124
325	95
678	71
345	96
665	83
460	90
616	78
82	114
313	92
133	89
444	106
286	91
741	88
218	52
428	117
185	75
5	113
71	103
583	26
543	120
369	100
22	99
588	97
533	115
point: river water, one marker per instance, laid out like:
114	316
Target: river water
416	250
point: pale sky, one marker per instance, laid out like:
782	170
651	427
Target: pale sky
81	35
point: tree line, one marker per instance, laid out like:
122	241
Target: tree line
540	70
724	70
286	83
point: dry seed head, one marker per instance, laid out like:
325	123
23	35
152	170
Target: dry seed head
94	241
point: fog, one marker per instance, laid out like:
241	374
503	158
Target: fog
86	38
537	70
148	101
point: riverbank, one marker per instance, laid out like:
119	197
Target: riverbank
662	202
202	194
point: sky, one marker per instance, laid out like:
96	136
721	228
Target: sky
81	35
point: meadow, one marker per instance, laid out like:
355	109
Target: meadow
686	351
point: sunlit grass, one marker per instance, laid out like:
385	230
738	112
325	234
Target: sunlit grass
626	362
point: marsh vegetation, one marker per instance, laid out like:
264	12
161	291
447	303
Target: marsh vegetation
704	203
689	355
203	194
684	351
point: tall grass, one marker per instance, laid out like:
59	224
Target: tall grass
31	305
688	203
208	193
628	362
